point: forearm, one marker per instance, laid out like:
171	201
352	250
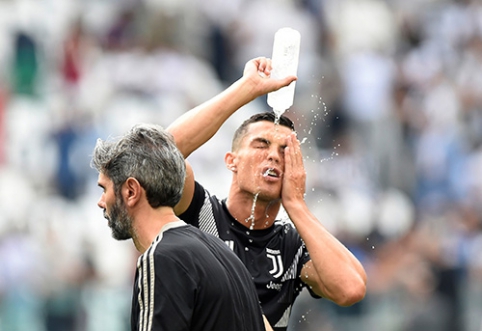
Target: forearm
337	274
197	126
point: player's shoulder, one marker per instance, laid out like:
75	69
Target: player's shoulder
175	240
286	231
286	225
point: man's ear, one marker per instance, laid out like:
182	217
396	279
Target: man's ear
131	191
230	161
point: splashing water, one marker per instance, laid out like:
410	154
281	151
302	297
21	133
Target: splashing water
277	116
304	318
251	217
266	174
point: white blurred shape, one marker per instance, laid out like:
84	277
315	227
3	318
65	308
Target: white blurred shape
395	214
16	196
28	141
362	25
356	215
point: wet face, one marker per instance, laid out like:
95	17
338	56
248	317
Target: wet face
259	160
115	210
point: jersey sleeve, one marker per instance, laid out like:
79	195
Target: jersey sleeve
166	297
191	215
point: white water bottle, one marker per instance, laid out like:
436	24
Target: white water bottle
286	51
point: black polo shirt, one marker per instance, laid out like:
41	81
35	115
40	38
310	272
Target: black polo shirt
190	281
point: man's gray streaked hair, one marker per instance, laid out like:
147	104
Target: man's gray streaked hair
147	153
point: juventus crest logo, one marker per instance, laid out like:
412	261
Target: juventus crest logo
278	268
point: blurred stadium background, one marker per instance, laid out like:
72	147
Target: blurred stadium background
388	105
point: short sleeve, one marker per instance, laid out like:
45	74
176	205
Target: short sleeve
169	306
191	215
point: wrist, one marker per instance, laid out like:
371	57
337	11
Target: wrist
248	88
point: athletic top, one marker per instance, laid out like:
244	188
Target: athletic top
273	256
190	281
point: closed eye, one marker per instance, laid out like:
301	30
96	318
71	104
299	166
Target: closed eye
261	143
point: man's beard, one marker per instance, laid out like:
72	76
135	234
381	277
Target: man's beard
119	221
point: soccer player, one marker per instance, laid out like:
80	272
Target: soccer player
267	171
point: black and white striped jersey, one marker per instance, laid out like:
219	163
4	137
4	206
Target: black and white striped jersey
273	256
190	281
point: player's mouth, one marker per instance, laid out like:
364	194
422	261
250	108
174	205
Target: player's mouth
271	173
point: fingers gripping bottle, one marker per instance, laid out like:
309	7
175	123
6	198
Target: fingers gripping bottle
286	51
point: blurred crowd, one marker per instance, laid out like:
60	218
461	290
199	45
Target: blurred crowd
388	106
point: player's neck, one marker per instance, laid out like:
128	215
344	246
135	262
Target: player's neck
149	224
251	212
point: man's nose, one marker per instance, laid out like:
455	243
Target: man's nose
274	155
101	203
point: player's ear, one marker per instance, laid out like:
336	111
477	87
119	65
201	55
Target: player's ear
131	191
230	161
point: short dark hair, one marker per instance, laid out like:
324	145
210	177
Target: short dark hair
266	116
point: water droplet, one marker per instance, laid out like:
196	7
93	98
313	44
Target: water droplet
246	249
251	218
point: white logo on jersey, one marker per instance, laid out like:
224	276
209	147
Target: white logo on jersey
274	286
278	268
230	244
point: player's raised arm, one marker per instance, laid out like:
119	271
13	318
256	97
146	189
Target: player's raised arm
195	127
198	125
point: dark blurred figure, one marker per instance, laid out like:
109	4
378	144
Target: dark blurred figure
222	53
67	181
25	64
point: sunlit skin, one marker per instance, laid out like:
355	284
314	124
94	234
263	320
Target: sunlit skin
261	149
259	165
